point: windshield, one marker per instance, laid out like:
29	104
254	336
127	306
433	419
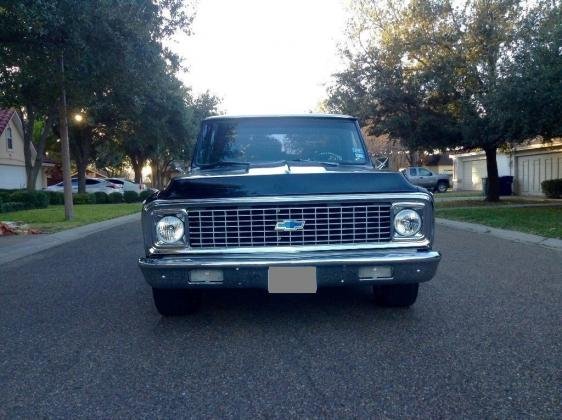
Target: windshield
265	140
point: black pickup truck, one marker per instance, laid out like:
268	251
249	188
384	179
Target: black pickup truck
287	204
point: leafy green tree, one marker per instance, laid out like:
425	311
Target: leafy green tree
84	49
436	73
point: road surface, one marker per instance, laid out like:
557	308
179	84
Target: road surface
79	337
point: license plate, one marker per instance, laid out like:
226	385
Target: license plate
291	280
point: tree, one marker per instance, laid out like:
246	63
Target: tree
432	74
83	51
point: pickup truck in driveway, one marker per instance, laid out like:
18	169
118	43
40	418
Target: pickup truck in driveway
287	204
427	179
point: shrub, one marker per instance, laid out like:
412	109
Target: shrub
144	194
101	197
131	196
55	197
41	199
31	199
12	206
115	197
5	196
552	188
84	198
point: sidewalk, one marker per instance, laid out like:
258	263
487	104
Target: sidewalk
19	246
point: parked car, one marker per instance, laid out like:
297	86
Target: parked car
127	185
92	185
287	204
427	179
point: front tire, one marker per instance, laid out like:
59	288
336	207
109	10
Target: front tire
442	187
176	302
396	295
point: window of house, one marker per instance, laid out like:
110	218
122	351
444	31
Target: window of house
9	140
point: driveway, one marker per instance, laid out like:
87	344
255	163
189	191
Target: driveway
79	337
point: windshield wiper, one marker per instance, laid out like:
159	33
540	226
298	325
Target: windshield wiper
221	163
314	162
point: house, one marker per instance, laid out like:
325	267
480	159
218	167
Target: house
12	163
529	164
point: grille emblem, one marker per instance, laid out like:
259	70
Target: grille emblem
289	225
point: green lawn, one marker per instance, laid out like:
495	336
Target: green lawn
544	221
51	219
459	194
482	203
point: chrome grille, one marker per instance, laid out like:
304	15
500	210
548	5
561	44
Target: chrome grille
254	226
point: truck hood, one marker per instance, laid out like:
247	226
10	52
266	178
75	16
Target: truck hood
284	180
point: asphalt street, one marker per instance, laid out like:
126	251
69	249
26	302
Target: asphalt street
79	337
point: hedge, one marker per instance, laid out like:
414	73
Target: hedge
144	194
84	198
55	197
5	195
30	199
115	197
101	197
12	206
552	188
131	196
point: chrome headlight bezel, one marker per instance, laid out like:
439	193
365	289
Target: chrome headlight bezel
418	211
158	216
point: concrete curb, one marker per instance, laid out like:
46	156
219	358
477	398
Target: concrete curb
510	235
38	243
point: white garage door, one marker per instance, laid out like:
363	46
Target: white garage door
472	173
532	170
12	176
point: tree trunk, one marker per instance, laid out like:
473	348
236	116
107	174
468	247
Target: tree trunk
28	124
42	143
155	175
137	168
81	165
493	179
65	149
38	165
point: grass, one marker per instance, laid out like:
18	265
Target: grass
482	203
450	193
51	219
544	221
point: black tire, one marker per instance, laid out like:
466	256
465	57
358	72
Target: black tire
442	187
396	295
176	302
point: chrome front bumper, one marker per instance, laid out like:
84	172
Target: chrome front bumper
250	271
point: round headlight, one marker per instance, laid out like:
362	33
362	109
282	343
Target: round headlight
407	222
169	229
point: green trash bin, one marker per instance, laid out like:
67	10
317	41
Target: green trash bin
484	186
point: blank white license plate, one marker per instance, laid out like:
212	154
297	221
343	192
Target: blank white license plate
291	280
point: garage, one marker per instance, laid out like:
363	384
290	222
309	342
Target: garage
472	173
533	169
12	176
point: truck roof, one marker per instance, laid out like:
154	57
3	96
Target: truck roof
332	116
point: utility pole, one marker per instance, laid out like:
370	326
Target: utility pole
65	148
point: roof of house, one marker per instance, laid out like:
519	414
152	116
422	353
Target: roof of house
5	117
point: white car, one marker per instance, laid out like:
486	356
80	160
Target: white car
126	184
92	185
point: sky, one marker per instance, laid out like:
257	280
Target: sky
263	56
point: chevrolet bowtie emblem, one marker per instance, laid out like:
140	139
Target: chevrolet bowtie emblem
289	225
